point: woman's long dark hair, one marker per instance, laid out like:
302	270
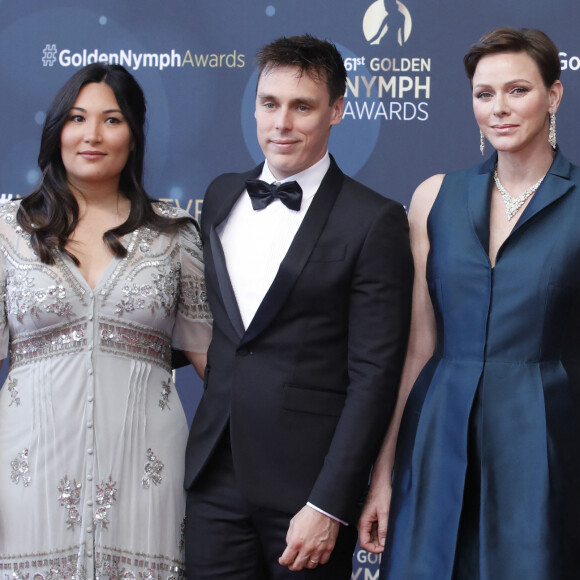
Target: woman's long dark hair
50	214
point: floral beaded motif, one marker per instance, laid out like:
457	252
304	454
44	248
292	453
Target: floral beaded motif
106	495
160	294
146	240
70	497
153	469
20	469
165	392
22	298
8	212
14	398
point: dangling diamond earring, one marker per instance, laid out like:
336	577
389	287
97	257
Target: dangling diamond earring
552	133
481	142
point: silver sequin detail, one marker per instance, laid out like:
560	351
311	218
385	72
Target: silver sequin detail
147	238
8	212
108	565
153	469
22	299
119	339
106	495
70	497
160	294
134	239
20	470
14	398
24	235
48	567
165	392
194	301
64	339
3	316
166	209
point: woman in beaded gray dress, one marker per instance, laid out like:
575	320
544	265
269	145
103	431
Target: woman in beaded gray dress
98	282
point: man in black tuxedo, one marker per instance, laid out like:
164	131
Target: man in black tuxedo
310	288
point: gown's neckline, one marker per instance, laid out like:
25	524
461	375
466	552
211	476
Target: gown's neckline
104	276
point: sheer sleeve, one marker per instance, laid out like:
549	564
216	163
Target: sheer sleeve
193	323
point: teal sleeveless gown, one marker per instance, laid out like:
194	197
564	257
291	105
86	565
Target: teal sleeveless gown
486	483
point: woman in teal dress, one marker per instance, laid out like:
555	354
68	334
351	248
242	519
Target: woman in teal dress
482	479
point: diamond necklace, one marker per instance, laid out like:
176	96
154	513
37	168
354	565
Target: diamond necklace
513	204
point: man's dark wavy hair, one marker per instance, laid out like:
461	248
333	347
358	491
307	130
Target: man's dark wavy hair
319	59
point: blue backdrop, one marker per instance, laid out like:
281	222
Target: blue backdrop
408	104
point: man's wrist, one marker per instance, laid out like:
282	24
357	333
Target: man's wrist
310	505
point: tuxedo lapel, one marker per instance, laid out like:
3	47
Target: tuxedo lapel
224	283
216	254
299	251
232	190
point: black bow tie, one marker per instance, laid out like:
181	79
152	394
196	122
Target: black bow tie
263	194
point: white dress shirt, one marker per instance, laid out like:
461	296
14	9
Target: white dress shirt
256	241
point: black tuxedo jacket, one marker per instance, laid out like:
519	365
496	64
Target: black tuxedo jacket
309	387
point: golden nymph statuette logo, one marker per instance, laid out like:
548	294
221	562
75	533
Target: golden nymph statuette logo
378	21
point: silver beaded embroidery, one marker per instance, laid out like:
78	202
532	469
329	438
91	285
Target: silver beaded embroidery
119	339
128	566
70	497
3	317
48	567
106	495
20	295
24	235
8	212
108	565
20	469
14	398
64	339
69	278
165	392
194	301
161	294
23	299
153	469
165	209
146	241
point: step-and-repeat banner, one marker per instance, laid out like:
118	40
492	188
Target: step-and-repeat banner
407	109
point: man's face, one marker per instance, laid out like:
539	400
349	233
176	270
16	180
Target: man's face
294	119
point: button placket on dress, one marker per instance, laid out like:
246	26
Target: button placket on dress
88	515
